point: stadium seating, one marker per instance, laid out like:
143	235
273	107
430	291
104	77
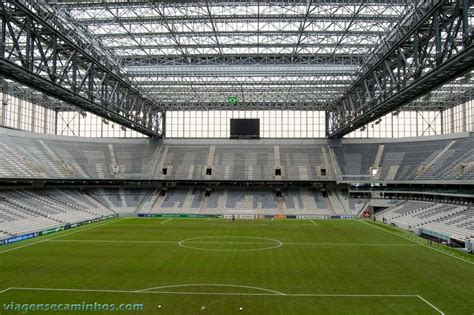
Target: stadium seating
179	200
119	200
455	221
424	160
26	155
24	211
255	201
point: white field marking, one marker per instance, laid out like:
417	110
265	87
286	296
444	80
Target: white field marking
270	292
347	244
434	307
211	285
70	290
230	242
113	241
48	239
420	244
166	220
313	222
189	240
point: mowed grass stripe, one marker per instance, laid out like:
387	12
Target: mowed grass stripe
224	242
173	302
331	232
348	258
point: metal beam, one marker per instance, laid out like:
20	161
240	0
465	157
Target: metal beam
164	48
242	59
40	52
15	89
237	33
260	105
428	50
234	18
120	3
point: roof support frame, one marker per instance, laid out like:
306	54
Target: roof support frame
435	51
68	72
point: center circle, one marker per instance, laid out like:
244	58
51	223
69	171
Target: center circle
230	243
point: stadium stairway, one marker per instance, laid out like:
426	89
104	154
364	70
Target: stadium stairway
336	204
94	200
425	167
148	201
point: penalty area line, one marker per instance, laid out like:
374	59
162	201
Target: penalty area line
5	290
267	293
210	285
431	305
166	220
314	222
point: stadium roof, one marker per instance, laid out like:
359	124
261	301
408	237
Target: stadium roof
193	55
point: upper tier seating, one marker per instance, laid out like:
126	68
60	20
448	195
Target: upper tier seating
25	155
443	159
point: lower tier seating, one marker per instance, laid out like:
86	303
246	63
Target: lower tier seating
454	221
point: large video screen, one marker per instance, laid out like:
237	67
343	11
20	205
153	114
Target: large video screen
244	128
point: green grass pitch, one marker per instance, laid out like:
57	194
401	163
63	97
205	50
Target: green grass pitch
263	266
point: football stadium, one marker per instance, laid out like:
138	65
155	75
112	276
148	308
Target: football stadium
236	157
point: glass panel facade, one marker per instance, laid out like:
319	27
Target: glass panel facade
24	115
273	124
79	124
21	114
